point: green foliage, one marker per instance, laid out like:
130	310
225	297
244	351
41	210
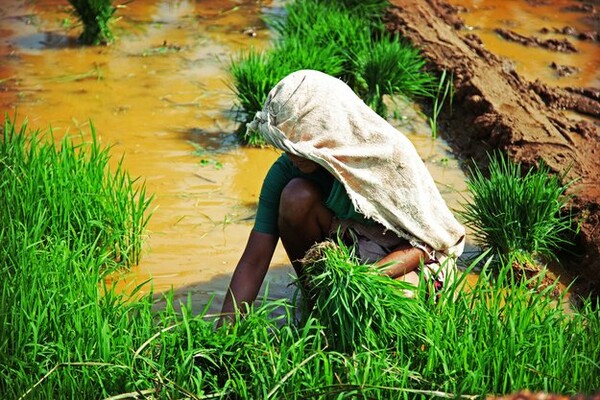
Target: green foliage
66	221
443	91
389	67
476	342
320	24
369	9
66	333
342	39
255	74
62	191
361	307
512	212
96	16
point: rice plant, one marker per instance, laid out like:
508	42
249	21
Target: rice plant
444	90
467	344
320	24
96	17
67	334
371	9
60	189
388	67
254	74
514	212
67	220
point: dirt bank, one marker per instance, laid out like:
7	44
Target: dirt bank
495	108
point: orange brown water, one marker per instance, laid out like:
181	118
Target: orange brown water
527	18
156	95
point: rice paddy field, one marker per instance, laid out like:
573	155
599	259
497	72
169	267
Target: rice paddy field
73	218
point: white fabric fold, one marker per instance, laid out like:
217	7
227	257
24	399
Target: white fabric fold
319	117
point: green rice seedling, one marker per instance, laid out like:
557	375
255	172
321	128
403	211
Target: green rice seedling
372	8
66	222
490	340
320	24
312	36
360	306
69	189
443	90
387	67
512	212
335	38
96	17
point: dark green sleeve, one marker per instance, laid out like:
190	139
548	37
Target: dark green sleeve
280	173
341	205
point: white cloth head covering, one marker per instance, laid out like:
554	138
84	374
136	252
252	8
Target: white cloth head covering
319	117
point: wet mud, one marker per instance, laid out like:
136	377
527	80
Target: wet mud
563	45
495	107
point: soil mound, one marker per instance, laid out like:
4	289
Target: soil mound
495	108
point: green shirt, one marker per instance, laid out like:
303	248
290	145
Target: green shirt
280	174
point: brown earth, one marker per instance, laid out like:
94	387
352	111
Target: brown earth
495	108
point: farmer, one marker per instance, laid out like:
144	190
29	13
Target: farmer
345	172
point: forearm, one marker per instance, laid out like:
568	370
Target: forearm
249	272
402	260
244	287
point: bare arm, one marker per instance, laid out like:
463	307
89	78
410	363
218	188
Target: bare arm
249	272
403	260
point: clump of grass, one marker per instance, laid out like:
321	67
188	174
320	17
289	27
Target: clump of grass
517	213
370	9
63	190
389	67
96	17
490	340
67	220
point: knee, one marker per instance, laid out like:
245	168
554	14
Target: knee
297	202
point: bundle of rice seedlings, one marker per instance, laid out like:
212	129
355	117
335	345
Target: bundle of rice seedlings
520	216
359	306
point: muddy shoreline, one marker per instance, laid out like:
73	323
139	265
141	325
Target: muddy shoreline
496	108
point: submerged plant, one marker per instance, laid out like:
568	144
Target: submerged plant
515	213
96	17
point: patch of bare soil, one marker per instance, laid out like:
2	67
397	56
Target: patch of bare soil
495	108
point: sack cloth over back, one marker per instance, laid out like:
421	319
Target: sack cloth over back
319	117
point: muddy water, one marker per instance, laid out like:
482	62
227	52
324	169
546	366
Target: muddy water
160	97
528	18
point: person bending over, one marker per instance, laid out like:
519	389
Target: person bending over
344	171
